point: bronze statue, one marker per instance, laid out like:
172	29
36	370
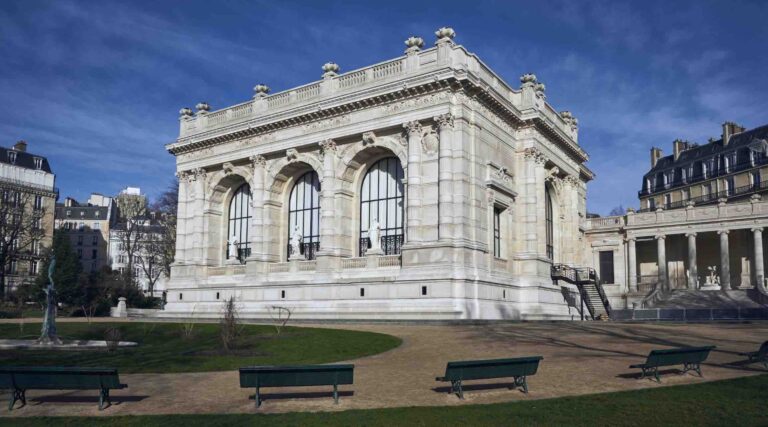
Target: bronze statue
48	334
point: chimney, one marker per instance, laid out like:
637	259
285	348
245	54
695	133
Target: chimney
655	156
730	129
20	146
678	146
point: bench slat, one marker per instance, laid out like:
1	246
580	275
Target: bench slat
289	376
492	368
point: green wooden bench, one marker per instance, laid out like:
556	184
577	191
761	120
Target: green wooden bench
690	357
294	376
761	355
519	368
21	379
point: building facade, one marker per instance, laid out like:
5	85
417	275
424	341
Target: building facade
27	186
423	187
88	227
687	237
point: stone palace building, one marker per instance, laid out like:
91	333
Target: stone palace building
700	227
474	187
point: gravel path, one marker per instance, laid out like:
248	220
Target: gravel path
579	358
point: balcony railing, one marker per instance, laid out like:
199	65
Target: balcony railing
719	172
711	198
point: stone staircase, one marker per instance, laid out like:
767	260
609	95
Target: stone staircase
684	298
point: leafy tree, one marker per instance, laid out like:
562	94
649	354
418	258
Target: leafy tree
166	207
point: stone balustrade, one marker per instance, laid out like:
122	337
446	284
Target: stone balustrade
607	222
465	65
751	211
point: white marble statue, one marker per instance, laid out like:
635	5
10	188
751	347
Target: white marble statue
295	242
233	242
374	235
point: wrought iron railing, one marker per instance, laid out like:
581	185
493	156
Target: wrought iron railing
389	244
307	249
722	171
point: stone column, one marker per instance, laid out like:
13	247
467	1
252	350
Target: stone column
329	227
725	261
181	219
693	269
414	181
197	243
257	224
632	261
661	249
445	176
759	266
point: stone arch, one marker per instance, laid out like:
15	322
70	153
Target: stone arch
354	161
281	177
222	185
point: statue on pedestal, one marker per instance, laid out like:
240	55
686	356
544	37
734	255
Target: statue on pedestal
297	237
48	333
374	236
233	255
712	281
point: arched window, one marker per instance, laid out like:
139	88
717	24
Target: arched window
239	219
304	213
381	199
550	225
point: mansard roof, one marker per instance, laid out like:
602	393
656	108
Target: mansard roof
23	159
76	213
706	151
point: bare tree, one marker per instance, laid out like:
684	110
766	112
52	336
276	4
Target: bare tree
151	256
131	230
21	229
166	207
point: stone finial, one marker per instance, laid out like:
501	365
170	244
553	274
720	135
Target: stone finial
185	112
445	35
202	107
540	88
260	90
414	44
330	69
569	119
528	79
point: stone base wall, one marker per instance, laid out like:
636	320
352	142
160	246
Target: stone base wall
400	298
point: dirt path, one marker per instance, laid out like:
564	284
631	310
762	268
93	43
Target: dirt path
578	359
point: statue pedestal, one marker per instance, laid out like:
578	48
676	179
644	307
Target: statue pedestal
374	252
709	285
121	310
232	261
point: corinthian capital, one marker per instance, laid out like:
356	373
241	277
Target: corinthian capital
444	120
412	127
258	161
328	147
535	155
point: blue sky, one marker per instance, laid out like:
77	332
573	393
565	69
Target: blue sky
96	86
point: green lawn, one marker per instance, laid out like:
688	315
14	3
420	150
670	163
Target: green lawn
163	347
739	402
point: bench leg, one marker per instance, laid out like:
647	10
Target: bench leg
525	385
257	398
336	394
456	388
698	369
17	395
104	398
656	374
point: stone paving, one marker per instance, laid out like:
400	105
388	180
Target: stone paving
579	358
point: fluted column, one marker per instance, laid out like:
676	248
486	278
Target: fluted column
632	261
725	261
445	174
693	269
414	181
661	251
181	219
759	269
